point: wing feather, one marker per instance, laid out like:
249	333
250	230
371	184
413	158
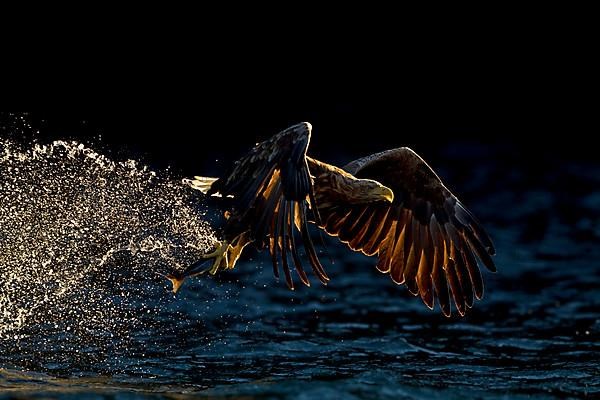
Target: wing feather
426	239
397	262
292	245
424	282
282	243
271	187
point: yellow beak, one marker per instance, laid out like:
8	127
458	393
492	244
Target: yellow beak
386	193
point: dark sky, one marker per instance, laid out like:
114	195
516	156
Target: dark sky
536	121
530	93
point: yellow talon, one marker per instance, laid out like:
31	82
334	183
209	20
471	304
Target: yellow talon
217	252
220	254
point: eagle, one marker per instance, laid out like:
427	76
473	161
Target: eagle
391	205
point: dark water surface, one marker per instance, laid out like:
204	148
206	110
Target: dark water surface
84	313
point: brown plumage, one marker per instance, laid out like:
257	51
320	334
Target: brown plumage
390	204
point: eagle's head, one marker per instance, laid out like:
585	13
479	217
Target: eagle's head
334	186
357	191
366	191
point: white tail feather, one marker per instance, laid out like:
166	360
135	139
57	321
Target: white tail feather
201	183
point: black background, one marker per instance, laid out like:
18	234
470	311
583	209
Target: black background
531	117
520	79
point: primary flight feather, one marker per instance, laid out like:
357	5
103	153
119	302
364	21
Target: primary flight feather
390	205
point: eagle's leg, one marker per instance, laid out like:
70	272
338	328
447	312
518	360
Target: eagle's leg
220	257
227	253
237	246
217	252
225	257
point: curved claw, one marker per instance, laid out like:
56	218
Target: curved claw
219	255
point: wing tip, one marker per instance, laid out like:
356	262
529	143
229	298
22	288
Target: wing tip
479	294
446	311
301	129
428	301
491	266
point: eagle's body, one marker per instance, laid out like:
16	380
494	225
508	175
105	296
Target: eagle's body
390	204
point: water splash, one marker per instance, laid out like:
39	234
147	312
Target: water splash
115	331
82	238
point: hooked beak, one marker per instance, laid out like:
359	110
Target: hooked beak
386	193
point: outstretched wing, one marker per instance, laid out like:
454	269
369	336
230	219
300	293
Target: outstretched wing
271	189
426	238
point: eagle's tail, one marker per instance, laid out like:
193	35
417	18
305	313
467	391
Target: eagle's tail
201	183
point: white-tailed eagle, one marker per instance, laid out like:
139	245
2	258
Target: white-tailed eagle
391	205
